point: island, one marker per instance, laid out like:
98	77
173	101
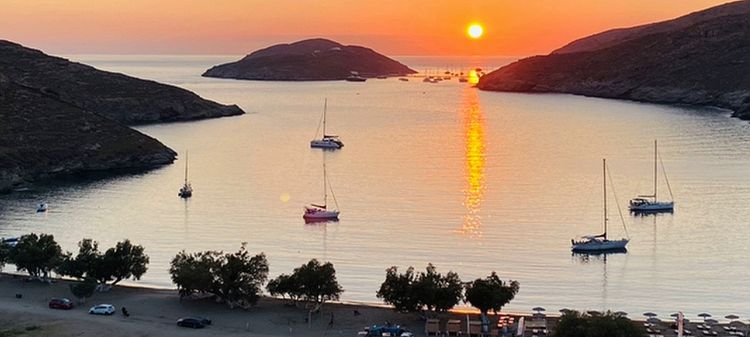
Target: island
61	118
310	60
698	59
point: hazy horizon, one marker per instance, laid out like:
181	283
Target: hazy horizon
233	27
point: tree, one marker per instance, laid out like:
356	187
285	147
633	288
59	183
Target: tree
4	251
312	282
123	261
490	293
83	289
399	291
429	290
37	255
575	324
235	278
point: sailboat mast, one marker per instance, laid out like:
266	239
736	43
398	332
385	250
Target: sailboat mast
604	180
186	166
655	160
325	184
325	108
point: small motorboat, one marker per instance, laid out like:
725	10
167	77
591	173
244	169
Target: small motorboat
10	242
41	208
354	77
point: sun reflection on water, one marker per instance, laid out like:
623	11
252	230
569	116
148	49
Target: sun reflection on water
473	128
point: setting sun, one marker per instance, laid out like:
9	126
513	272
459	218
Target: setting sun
475	31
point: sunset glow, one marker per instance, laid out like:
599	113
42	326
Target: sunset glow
418	27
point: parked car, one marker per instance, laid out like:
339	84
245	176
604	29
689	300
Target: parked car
193	322
102	309
60	303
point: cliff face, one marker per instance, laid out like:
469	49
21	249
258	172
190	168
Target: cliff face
706	63
116	96
42	137
309	60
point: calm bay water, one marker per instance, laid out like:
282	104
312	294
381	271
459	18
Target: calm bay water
470	181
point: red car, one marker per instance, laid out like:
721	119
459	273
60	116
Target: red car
60	303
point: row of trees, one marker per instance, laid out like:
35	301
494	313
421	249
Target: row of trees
237	278
431	292
40	255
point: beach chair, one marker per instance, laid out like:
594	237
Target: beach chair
475	328
432	327
453	327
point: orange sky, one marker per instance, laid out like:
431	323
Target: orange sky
394	27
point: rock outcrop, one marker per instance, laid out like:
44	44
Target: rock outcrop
705	63
116	96
309	60
42	137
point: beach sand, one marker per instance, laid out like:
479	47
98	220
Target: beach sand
153	312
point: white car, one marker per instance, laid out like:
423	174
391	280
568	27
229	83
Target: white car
102	309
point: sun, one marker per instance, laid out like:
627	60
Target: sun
475	31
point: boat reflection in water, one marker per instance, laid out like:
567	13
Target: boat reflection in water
473	132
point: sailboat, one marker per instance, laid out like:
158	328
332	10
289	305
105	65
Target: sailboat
600	243
328	141
186	191
650	203
317	212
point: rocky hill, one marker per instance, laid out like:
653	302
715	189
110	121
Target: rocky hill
614	36
706	63
42	136
309	60
119	97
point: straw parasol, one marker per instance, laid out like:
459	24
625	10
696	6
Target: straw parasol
704	315
732	317
621	313
649	314
538	309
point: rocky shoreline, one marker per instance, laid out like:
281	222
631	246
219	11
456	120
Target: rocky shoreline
60	118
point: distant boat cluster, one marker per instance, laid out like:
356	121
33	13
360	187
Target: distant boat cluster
600	243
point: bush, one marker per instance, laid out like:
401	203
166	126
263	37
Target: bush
575	324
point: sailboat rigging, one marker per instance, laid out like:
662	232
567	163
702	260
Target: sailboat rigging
600	243
187	190
650	203
317	212
327	141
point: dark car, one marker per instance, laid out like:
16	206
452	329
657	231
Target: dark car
61	303
193	322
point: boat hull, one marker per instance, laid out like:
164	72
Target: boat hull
326	144
659	206
600	246
321	216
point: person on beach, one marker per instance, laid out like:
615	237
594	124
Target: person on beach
330	323
125	312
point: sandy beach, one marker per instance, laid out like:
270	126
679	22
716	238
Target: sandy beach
153	312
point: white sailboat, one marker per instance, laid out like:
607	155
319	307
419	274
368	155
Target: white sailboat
600	243
187	190
650	203
327	141
317	212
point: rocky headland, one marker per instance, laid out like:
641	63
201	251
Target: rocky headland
699	59
60	118
310	60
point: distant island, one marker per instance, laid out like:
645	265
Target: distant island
64	118
310	60
698	59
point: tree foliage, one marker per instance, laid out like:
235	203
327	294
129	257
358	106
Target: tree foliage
575	324
235	278
4	251
490	293
36	254
120	262
428	290
312	282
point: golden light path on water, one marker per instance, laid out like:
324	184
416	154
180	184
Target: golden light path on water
473	126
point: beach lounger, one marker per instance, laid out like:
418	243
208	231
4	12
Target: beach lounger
432	327
475	328
453	327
